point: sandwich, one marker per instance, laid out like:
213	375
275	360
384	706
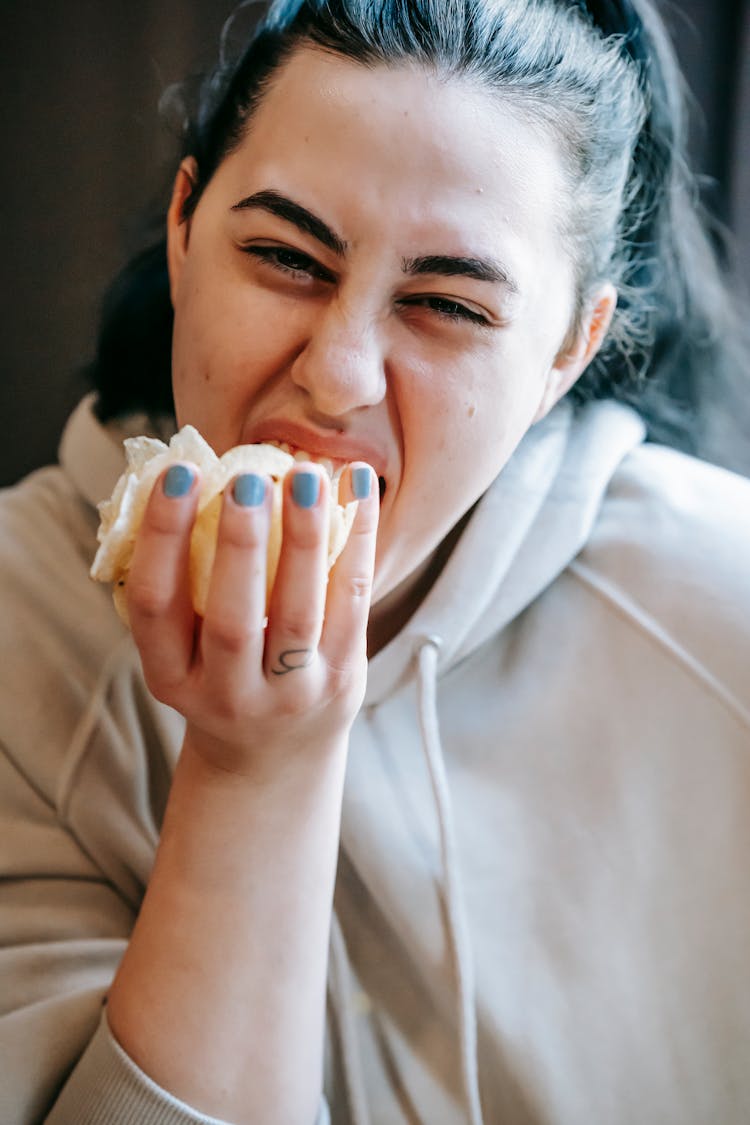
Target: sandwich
146	458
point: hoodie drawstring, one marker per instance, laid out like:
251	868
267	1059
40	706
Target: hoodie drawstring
458	930
340	976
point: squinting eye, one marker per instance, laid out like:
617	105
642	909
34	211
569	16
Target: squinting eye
451	310
289	261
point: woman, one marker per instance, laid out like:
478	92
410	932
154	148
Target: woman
506	742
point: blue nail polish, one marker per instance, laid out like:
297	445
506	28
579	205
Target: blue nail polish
361	482
178	481
305	489
249	490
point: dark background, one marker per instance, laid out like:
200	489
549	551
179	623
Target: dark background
84	151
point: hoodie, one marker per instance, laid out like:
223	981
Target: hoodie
541	914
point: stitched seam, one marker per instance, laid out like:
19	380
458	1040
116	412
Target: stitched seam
81	740
74	756
28	779
646	624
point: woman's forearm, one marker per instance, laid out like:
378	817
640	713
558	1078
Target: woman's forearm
220	997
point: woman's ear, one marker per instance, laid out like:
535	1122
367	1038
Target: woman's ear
178	224
573	361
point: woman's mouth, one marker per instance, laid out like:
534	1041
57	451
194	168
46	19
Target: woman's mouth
333	467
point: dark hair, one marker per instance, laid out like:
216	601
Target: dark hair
602	79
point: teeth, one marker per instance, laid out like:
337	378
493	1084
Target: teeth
301	455
325	462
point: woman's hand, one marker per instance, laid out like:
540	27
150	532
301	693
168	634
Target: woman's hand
256	697
220	996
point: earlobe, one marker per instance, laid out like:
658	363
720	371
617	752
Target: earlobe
573	361
178	224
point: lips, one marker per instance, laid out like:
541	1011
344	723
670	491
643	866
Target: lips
331	449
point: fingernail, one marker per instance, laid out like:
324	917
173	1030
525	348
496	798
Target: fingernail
361	482
249	490
305	489
178	481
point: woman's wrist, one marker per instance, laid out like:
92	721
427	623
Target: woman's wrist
243	883
283	769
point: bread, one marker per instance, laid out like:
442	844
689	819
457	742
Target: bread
122	514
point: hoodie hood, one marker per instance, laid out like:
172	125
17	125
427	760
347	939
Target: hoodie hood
524	531
91	452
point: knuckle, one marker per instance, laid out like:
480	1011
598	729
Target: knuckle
358	586
147	601
343	672
346	684
229	635
228	710
340	677
298	628
163	687
366	521
291	706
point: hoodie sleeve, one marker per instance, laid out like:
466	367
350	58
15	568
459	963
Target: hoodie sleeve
85	770
63	930
107	1085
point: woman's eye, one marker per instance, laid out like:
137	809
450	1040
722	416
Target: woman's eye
448	308
289	261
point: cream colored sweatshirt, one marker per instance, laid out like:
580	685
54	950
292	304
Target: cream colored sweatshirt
542	905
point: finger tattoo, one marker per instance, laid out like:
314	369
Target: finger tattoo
292	659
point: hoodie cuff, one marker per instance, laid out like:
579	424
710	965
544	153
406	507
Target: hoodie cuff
107	1085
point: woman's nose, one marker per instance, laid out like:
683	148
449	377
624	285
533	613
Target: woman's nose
342	365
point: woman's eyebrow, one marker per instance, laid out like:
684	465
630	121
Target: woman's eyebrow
481	269
283	207
447	265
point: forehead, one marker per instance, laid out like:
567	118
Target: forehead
433	156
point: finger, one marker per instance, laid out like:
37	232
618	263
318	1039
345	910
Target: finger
232	635
343	640
158	590
295	613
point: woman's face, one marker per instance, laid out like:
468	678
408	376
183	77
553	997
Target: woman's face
376	272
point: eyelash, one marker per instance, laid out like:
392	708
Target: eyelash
450	310
274	256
